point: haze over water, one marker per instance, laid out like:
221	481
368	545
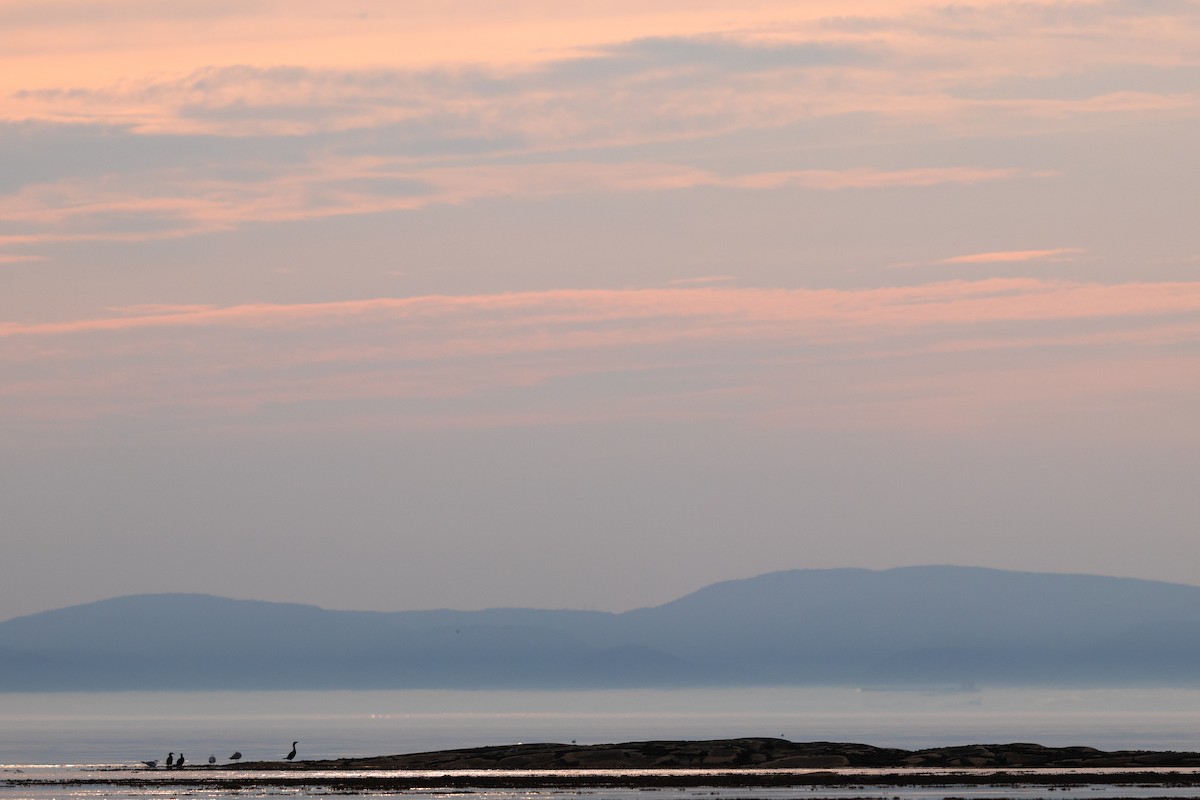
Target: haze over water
124	727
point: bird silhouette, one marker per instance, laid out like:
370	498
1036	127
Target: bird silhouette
179	762
151	764
212	759
292	754
237	755
171	759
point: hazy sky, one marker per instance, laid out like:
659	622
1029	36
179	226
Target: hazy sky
471	303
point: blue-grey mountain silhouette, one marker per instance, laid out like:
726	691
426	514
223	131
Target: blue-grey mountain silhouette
915	626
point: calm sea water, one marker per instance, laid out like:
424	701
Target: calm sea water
86	734
125	727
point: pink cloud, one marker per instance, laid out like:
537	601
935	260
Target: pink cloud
179	205
831	356
949	302
161	309
1004	256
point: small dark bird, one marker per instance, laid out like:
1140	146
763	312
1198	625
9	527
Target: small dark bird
151	764
212	759
237	755
170	759
292	754
179	762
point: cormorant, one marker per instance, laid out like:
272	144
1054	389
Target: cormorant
292	754
179	762
170	759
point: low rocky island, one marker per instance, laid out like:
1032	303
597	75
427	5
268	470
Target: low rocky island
750	753
732	763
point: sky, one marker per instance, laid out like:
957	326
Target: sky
468	304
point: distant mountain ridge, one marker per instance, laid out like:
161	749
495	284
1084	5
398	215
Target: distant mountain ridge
911	626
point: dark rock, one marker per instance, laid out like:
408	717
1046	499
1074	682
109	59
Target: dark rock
757	753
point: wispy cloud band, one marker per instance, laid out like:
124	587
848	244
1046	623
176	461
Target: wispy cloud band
212	362
182	204
952	302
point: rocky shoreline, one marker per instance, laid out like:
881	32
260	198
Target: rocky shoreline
750	753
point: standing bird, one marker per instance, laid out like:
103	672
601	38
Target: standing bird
171	759
179	763
151	764
237	756
292	754
212	759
